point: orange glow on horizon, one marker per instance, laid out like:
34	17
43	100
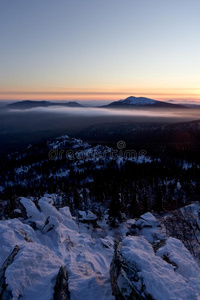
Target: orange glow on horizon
187	95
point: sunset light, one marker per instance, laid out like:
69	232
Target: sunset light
99	149
103	50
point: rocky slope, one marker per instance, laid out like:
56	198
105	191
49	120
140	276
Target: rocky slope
46	254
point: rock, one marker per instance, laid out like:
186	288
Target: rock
146	221
61	287
4	294
148	226
123	276
137	272
88	217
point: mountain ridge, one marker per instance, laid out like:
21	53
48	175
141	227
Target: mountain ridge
27	104
132	102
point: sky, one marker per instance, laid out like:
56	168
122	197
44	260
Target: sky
99	49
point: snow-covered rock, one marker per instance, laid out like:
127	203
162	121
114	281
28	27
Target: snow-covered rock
62	257
56	241
148	226
87	216
175	253
138	273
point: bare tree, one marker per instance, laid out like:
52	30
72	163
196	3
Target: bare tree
184	225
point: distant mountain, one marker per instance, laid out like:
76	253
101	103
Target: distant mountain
2	103
27	104
192	105
6	102
132	102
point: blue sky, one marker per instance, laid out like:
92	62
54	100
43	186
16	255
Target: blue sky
99	49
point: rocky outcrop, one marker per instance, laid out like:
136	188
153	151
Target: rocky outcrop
61	287
124	278
137	272
4	294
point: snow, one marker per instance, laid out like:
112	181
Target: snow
31	272
60	173
143	159
63	137
148	226
186	165
76	154
22	169
138	101
87	253
57	241
17	210
12	233
66	212
193	209
32	212
149	218
159	277
87	216
186	265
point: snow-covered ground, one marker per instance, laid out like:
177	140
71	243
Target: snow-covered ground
50	238
56	242
159	277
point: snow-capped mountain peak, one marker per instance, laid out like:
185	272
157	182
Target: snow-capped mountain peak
132	102
138	101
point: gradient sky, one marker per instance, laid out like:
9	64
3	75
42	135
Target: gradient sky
99	49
